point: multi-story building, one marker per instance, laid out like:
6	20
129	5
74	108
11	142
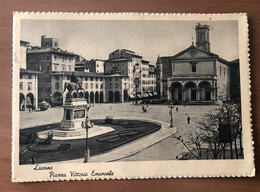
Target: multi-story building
117	86
24	46
28	88
138	71
93	65
49	59
93	85
195	75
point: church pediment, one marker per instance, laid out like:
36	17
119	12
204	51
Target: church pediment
193	52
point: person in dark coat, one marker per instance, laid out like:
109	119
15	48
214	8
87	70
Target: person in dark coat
188	119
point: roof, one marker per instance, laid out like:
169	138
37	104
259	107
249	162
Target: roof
116	75
80	73
117	60
27	71
145	61
51	50
132	53
236	61
87	74
24	42
196	48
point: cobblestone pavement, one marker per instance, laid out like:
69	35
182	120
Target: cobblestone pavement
164	149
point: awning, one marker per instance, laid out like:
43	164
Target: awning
150	94
146	95
132	96
139	95
155	93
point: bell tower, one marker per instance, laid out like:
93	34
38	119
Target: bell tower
202	37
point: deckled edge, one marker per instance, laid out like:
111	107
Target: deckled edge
130	13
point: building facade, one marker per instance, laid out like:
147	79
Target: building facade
93	85
195	75
48	59
117	87
93	65
28	88
140	73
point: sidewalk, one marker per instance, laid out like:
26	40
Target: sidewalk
132	147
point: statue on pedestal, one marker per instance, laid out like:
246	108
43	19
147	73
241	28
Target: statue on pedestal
75	105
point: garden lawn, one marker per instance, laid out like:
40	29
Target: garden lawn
124	132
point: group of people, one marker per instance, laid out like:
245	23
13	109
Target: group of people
188	117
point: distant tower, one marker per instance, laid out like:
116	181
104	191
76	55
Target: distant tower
202	37
49	42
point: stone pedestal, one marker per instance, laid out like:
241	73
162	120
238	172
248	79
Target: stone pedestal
75	113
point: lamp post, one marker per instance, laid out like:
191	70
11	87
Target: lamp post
87	150
171	107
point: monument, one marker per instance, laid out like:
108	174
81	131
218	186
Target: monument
75	123
75	107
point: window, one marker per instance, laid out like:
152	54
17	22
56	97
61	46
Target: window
86	78
91	85
101	86
57	77
63	67
116	85
116	79
48	57
86	86
193	68
56	85
55	44
29	86
220	70
69	67
55	68
68	77
96	79
21	85
110	85
29	76
91	79
97	65
101	79
63	58
55	57
110	79
96	85
69	59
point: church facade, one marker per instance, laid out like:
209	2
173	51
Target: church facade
195	75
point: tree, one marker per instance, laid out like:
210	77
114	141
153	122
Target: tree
209	138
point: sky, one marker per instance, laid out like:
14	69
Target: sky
96	39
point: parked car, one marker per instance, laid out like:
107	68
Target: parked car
44	105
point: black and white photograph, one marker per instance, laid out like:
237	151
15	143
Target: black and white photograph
137	91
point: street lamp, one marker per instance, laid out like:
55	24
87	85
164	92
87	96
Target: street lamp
87	150
171	107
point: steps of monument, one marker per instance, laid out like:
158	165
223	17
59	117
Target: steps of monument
67	133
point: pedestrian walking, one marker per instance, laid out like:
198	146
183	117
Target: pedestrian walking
177	109
188	119
33	160
110	106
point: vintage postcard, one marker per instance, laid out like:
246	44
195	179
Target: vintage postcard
130	95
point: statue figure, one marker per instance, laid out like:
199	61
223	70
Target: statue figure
74	88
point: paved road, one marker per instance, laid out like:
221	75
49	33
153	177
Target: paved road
165	149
